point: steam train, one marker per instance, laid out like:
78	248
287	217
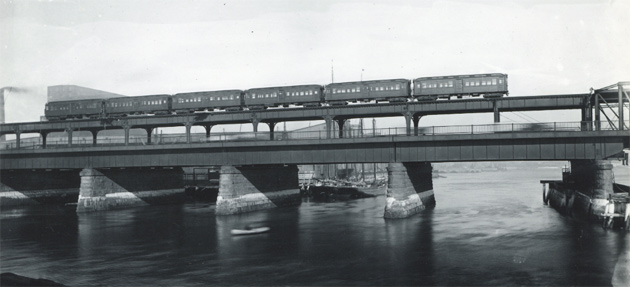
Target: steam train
394	90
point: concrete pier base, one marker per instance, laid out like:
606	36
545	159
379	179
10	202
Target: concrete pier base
251	188
33	187
409	189
107	189
583	192
593	178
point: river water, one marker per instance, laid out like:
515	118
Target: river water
488	228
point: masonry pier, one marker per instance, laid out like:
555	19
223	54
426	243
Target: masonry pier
32	187
409	189
250	188
106	189
584	189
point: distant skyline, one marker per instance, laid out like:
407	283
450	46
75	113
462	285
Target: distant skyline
147	47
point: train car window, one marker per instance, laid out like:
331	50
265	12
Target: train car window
500	81
494	81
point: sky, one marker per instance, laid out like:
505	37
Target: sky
142	47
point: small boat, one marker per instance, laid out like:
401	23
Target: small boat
249	231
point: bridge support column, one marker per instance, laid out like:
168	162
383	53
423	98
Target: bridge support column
598	119
409	189
340	123
29	187
587	114
251	188
188	128
17	139
149	134
44	136
495	109
106	189
408	117
255	124
94	134
593	178
416	121
272	126
208	128
126	128
69	132
622	123
329	126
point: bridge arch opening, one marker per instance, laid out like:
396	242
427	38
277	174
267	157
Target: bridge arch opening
68	137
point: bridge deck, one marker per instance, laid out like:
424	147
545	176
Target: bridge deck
559	145
476	105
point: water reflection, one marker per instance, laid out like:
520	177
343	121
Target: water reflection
481	233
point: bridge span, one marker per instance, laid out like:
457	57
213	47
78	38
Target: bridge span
261	174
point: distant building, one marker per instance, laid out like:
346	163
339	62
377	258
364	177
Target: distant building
72	92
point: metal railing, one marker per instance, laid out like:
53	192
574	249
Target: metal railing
168	139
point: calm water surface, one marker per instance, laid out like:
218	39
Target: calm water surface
488	228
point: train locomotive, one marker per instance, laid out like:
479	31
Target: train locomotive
393	90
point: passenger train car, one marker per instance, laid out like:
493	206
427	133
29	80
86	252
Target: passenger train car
487	85
260	98
74	109
394	90
229	100
152	104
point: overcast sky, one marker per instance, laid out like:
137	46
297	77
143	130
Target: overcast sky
146	47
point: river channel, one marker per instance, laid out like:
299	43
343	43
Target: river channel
488	228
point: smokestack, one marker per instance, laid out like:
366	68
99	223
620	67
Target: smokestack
2	92
2	105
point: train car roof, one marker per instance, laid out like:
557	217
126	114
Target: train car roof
135	97
369	82
221	91
462	76
74	101
280	87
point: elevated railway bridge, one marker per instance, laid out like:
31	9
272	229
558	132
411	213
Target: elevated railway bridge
261	173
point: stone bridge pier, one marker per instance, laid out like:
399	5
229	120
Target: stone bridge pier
409	189
250	188
594	178
31	187
105	189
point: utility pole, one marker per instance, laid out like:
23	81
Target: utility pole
374	134
332	71
3	91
